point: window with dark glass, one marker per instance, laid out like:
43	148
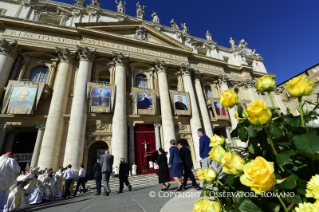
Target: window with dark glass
39	74
141	81
209	92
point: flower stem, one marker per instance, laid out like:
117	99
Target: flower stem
280	200
220	183
272	145
273	103
301	112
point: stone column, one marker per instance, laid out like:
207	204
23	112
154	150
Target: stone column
131	144
37	146
3	131
223	87
51	144
203	106
9	143
119	125
76	134
16	67
228	140
194	119
157	135
8	52
166	109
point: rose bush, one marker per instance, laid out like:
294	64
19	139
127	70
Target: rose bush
282	156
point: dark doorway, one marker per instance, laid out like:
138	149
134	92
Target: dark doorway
24	144
95	151
184	143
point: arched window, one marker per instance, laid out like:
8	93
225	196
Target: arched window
141	81
39	74
104	77
173	84
209	92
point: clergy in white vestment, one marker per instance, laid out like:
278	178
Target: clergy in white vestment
59	187
34	188
9	171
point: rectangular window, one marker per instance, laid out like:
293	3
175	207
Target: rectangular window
50	19
315	70
174	88
265	99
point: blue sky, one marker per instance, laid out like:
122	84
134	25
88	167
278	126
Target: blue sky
284	32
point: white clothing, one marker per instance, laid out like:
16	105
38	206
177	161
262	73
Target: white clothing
69	174
151	164
59	188
116	171
9	171
82	173
134	168
3	196
17	199
156	166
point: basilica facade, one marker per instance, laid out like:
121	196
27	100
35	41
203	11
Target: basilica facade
76	80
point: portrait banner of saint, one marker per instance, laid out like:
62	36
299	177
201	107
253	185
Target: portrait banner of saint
219	110
180	102
144	103
101	97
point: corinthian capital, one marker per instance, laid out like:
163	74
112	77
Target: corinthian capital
84	53
65	54
11	49
186	69
198	75
161	65
120	59
222	79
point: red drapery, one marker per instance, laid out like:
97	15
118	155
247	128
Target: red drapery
142	133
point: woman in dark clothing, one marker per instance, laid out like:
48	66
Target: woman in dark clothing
163	172
176	163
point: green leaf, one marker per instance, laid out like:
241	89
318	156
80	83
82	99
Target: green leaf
283	144
282	159
294	121
307	143
230	180
315	156
248	206
234	133
238	196
275	131
290	182
252	131
296	130
274	207
240	110
242	133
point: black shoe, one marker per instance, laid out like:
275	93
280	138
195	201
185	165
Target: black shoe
119	192
180	188
198	188
184	187
130	188
108	193
163	189
167	187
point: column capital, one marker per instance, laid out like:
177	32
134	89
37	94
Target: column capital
198	75
40	126
228	127
85	54
186	69
131	124
10	49
161	66
156	125
5	127
222	79
120	59
65	54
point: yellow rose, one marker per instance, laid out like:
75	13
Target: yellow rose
299	86
259	175
258	112
265	83
206	175
200	175
228	98
205	205
313	187
216	140
233	164
217	154
307	207
240	120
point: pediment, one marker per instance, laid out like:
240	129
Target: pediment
128	31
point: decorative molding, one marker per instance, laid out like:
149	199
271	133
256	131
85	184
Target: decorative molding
92	12
3	12
40	126
65	54
222	79
120	58
161	66
141	33
81	3
76	13
157	125
84	53
96	2
186	69
11	49
101	127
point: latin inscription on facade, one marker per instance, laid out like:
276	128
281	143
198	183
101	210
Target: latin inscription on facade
133	49
209	67
36	36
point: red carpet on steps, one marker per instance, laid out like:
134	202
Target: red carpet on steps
155	171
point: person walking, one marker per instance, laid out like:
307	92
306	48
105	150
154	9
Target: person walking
204	150
106	165
97	176
186	157
81	180
163	172
123	176
69	176
176	163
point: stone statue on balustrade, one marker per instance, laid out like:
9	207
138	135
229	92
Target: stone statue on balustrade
185	30
232	43
242	44
81	2
173	24
120	7
140	10
208	36
155	18
96	2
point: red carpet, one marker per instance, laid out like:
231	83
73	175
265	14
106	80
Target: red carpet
155	171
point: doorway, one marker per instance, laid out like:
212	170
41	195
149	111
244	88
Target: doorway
95	152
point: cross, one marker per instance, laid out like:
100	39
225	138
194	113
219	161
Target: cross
145	145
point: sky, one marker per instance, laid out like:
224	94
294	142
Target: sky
284	32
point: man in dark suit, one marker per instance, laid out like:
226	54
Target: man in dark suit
106	166
144	103
179	105
97	176
186	157
123	176
204	150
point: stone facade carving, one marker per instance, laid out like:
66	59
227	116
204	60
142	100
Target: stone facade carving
186	69
160	65
185	30
63	20
84	53
244	51
208	36
174	25
92	13
3	12
140	10
232	43
65	54
11	49
140	33
182	127
81	3
101	127
120	7
96	2
223	79
155	18
76	13
120	59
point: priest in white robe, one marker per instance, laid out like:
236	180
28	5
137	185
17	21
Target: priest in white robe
59	187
